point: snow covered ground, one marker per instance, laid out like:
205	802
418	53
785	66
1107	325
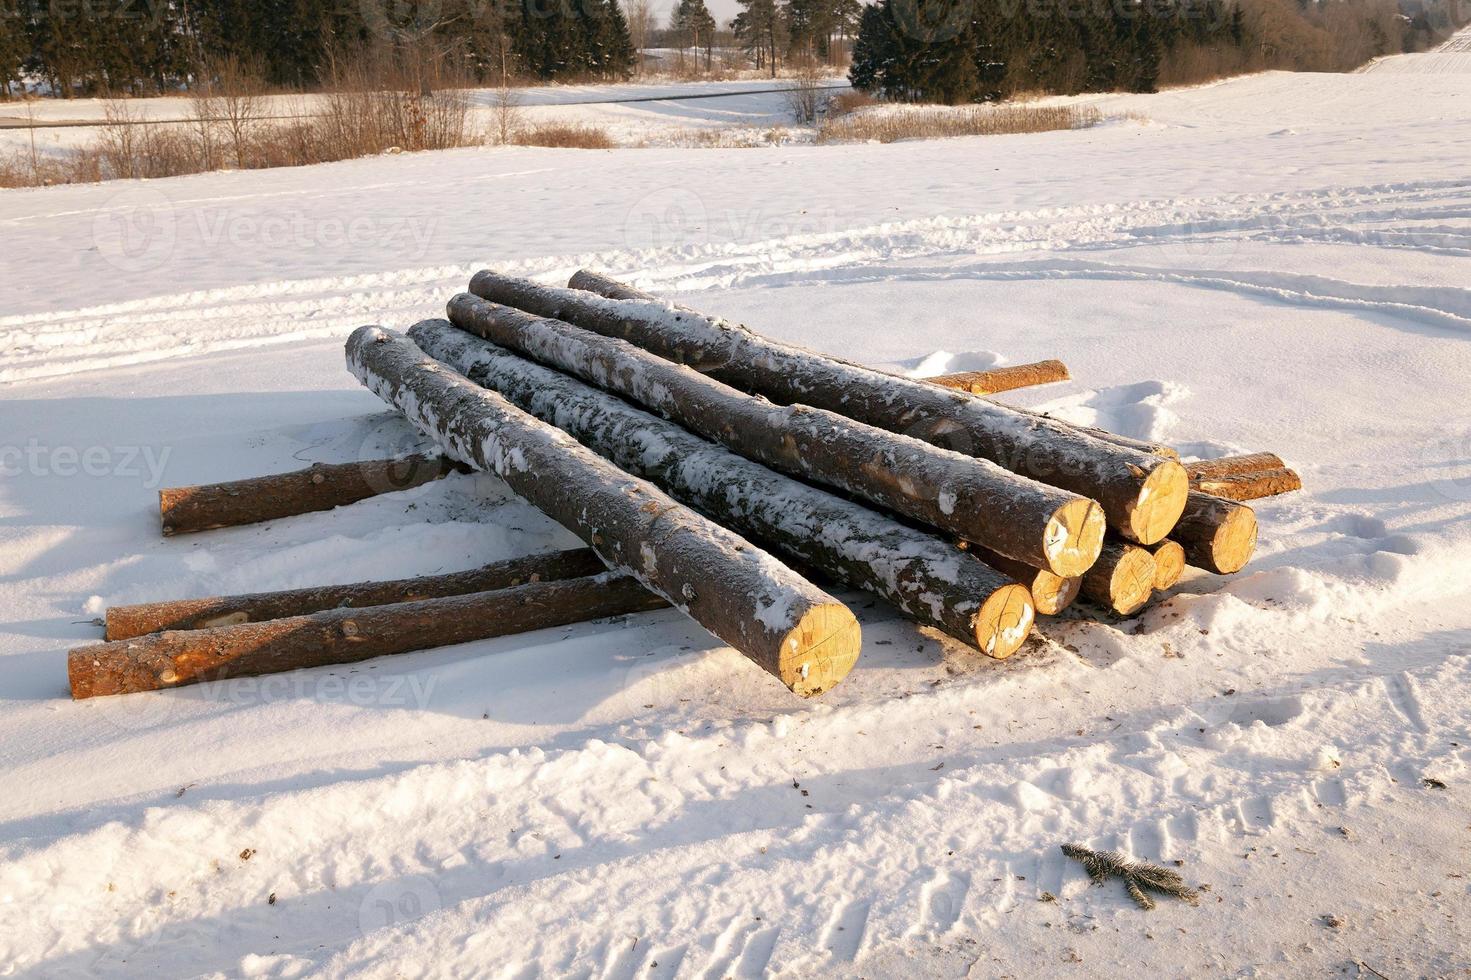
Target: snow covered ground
1277	262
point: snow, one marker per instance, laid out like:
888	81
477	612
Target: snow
1276	263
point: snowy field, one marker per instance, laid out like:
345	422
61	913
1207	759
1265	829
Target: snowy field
1280	262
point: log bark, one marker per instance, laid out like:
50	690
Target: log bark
1002	379
924	575
1169	564
125	622
1123	578
1249	486
1051	593
1209	469
779	620
1218	535
970	498
178	657
320	486
1142	495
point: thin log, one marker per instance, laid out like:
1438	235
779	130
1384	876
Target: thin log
779	620
1141	494
1002	379
1218	535
1051	593
1210	469
924	575
320	486
1123	578
337	636
1250	486
973	499
125	622
1169	564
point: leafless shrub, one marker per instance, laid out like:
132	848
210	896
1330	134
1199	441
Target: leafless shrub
507	117
887	124
578	136
849	101
806	96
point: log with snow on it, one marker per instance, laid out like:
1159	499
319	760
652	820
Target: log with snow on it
125	622
1142	494
785	624
609	288
175	658
973	499
996	380
321	486
1051	593
1123	579
1218	535
925	576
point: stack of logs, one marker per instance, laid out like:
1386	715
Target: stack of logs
703	464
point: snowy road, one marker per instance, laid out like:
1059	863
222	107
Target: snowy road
1278	262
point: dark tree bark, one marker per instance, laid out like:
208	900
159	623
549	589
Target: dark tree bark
779	620
178	657
970	498
1218	535
318	487
125	622
925	576
1142	494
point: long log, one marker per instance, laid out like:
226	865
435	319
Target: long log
779	620
125	622
924	575
320	486
1141	494
178	657
1051	593
1218	535
1209	469
1001	379
1123	578
1249	486
973	499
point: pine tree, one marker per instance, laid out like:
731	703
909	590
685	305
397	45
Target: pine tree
14	47
761	29
695	27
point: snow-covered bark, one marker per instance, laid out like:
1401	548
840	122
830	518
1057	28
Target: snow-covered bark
973	499
931	580
778	619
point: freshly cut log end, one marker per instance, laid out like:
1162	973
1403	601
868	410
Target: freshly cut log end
1004	620
1002	379
1169	564
1123	578
1207	469
1075	537
820	650
1250	486
1218	535
1051	593
1160	503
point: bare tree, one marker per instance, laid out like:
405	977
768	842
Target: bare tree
640	16
241	103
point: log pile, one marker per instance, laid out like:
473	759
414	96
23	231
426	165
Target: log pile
715	471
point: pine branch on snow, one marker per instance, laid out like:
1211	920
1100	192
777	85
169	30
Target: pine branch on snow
1138	877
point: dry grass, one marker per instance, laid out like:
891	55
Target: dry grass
851	101
578	136
889	124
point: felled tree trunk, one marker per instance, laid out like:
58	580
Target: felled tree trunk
1249	486
1002	379
1169	564
1218	535
1051	593
920	573
320	486
1210	469
1141	494
782	622
1123	578
971	498
178	657
124	622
